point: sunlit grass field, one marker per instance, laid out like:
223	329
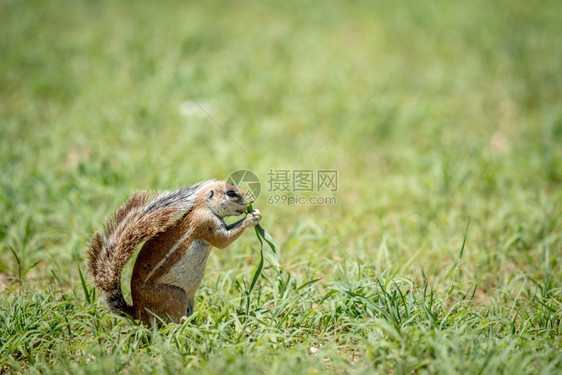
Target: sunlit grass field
444	123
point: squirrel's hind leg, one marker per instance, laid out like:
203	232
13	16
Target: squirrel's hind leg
167	302
190	305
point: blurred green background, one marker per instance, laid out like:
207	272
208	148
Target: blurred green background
97	100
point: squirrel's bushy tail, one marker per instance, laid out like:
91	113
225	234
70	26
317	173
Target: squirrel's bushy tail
143	216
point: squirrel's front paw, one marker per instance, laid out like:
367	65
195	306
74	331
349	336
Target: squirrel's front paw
253	218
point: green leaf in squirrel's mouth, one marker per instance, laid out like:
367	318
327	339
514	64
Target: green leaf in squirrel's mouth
262	236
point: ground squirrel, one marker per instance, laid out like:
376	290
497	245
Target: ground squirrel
180	228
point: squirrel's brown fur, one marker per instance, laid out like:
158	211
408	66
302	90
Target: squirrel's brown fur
179	228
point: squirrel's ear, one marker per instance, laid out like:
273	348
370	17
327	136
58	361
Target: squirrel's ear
210	194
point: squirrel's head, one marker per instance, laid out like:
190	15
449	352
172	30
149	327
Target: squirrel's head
225	199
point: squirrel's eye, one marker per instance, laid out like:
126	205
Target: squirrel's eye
231	193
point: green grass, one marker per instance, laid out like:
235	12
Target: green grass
392	279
